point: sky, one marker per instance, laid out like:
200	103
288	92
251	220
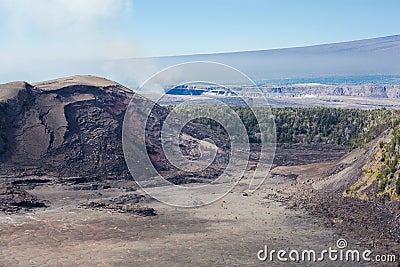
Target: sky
187	27
45	33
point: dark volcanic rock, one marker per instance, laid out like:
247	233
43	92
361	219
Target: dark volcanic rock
370	222
122	204
13	199
298	154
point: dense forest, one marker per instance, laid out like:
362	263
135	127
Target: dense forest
344	127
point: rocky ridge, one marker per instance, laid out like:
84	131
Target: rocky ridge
73	127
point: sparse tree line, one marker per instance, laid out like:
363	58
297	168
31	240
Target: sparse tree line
388	174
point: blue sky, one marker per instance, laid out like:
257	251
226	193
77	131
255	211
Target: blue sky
47	33
185	27
173	27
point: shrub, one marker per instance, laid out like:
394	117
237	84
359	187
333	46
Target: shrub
382	185
381	144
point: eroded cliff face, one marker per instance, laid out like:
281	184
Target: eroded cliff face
16	98
73	127
373	91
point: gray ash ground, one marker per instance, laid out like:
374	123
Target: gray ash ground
319	218
16	198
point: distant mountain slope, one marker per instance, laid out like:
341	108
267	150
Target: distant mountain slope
363	58
378	56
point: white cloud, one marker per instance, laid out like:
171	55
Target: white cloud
64	29
42	39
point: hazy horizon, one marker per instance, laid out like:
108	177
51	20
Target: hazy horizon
69	37
115	29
